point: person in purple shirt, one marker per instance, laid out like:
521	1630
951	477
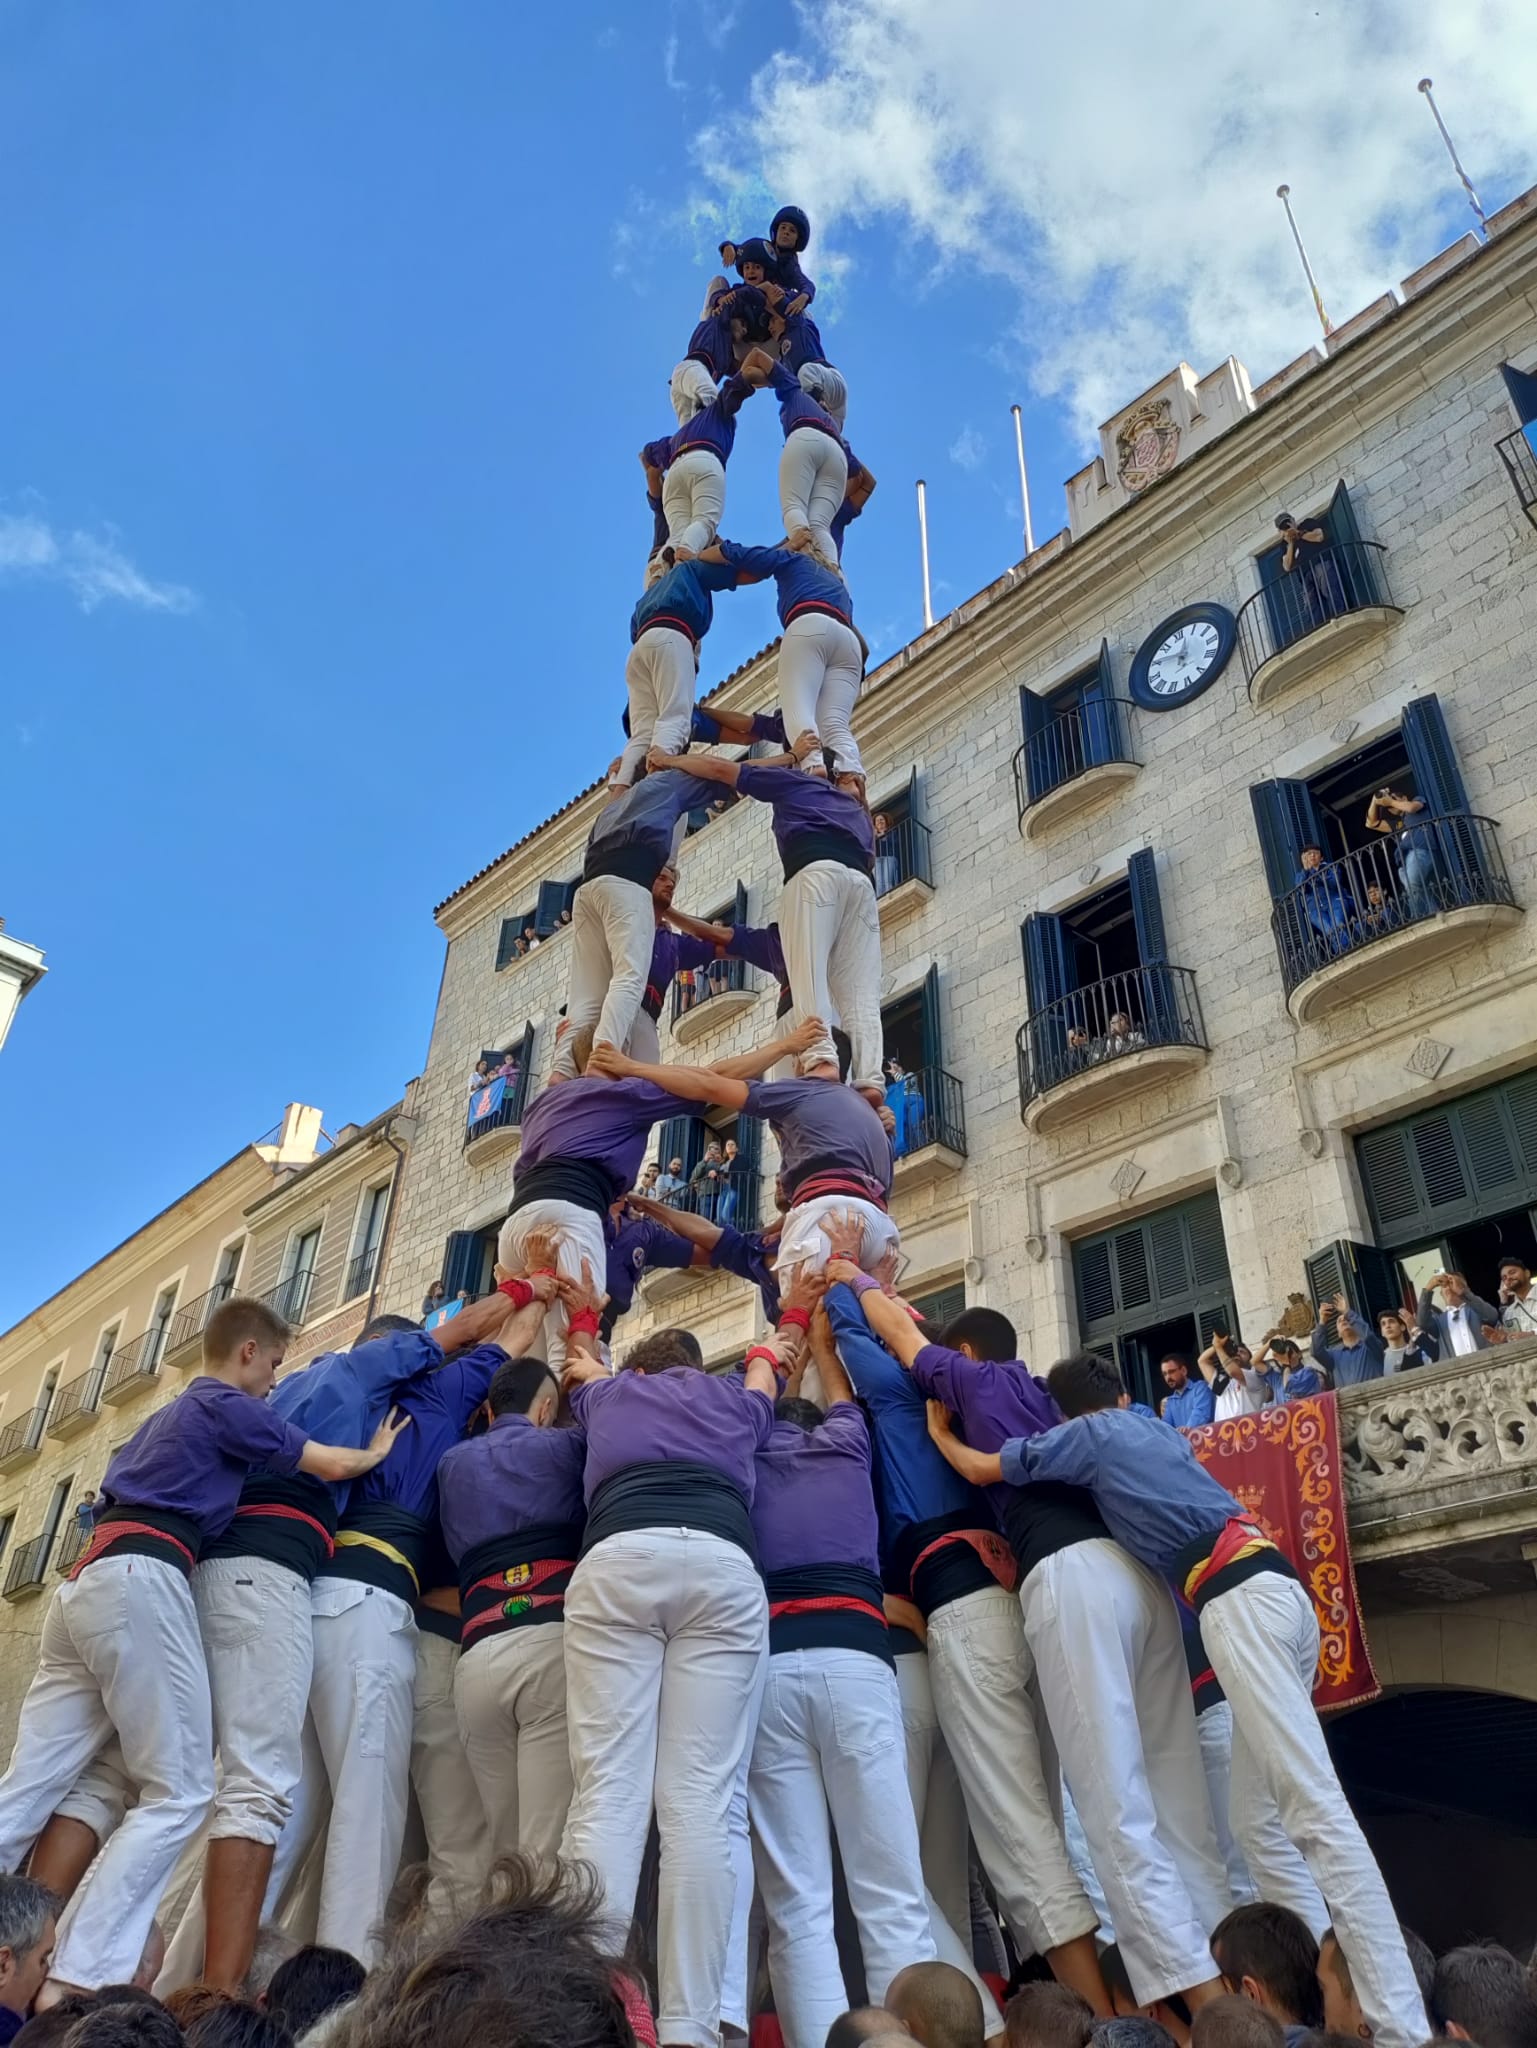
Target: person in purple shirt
640	1242
120	1648
788	237
861	488
513	1514
821	656
365	1633
1100	1627
829	923
671	617
692	463
681	943
666	1641
830	1741
750	1255
734	320
813	465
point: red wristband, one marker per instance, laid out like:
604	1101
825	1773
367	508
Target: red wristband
762	1351
518	1292
797	1318
584	1321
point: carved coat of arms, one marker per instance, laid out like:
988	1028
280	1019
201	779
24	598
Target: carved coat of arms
1147	445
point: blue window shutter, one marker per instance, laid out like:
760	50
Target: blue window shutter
1100	713
749	1138
933	1046
1035	715
1522	386
1357	566
506	938
1432	756
1369	1279
461	1262
1339	522
683	1137
1146	909
554	897
1049	969
1287	819
912	797
739	906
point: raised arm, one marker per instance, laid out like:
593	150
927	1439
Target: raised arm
693	1084
698	927
698	1231
982	1468
836	1384
707	767
887	1318
1206	1365
478	1322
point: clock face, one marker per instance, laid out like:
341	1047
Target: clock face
1182	657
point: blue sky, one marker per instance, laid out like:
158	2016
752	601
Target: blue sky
332	335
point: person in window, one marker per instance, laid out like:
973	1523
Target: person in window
1228	1369
906	1105
1389	812
1325	901
1406	1345
433	1298
1280	1364
1315	595
1188	1403
1344	1346
648	1179
531	937
886	864
733	1168
1079	1050
1463	1324
508	1071
707	1182
671	1184
1518	1301
1378	915
482	1076
85	1510
1120	1036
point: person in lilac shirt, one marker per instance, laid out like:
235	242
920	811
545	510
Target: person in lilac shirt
666	1641
513	1514
813	464
734	320
670	619
692	464
1100	1627
830	1739
120	1645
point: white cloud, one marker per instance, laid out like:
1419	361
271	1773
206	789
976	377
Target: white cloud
1121	175
969	449
92	566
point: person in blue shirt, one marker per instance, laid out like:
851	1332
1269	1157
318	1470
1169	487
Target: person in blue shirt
692	464
1190	1402
735	319
788	237
1260	1631
1325	901
813	465
1345	1345
1280	1364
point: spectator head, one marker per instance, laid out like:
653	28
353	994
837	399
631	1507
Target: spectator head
982	1333
731	1148
1481	1993
712	1150
1047	2015
1312	856
1342	2009
1235	2023
435	1291
524	1386
26	1940
881	823
1284	522
313	1982
938	2004
649	1173
675	1166
1514	1276
188	2002
1175	1370
89	1494
49	2029
1120	1025
272	1950
1349	1327
865	2023
246	1339
381	1326
1131	2030
1084	1383
238	2025
664	1348
1394	1330
1285	1351
805	1415
144	2023
1267	1954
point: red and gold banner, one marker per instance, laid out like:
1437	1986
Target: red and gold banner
1283	1468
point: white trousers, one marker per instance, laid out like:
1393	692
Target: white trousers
692	388
659	676
613	929
802	1243
120	1650
831	932
693	498
361	1704
510	1699
1110	1662
101	1795
983	1680
820	663
581	1236
830	1745
447	1792
257	1638
813	481
666	1633
1215	1730
1262	1639
736	1988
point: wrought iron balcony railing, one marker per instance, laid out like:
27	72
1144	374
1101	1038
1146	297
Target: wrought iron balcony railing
360	1273
1327	583
133	1363
733	1200
1090	735
930	1108
189	1323
75	1403
1436	864
1131	1012
507	1115
1520	461
902	855
72	1544
290	1298
28	1566
20	1439
697	986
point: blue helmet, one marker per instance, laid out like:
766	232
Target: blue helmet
798	221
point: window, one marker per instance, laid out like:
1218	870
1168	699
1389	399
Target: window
1154	1286
522	933
901	841
498	1086
695	985
1100	984
106	1344
1328	579
925	1101
226	1272
45	1394
469	1257
1370	883
1077	726
152	1348
7	1524
723	1189
941	1305
366	1240
51	1521
299	1264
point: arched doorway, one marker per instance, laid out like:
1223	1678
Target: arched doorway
1444	1783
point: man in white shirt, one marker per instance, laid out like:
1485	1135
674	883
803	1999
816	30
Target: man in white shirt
1518	1300
1228	1369
1460	1325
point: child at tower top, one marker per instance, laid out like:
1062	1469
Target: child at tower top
788	238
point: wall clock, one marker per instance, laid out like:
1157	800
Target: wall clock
1182	657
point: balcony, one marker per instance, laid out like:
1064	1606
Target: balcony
28	1568
1390	909
20	1440
1334	599
76	1405
904	875
709	996
1109	1040
930	1137
1520	461
737	1205
291	1297
133	1367
361	1268
184	1337
1075	759
494	1119
72	1545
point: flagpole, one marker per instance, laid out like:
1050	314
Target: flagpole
1024	481
1467	183
1283	193
923	549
